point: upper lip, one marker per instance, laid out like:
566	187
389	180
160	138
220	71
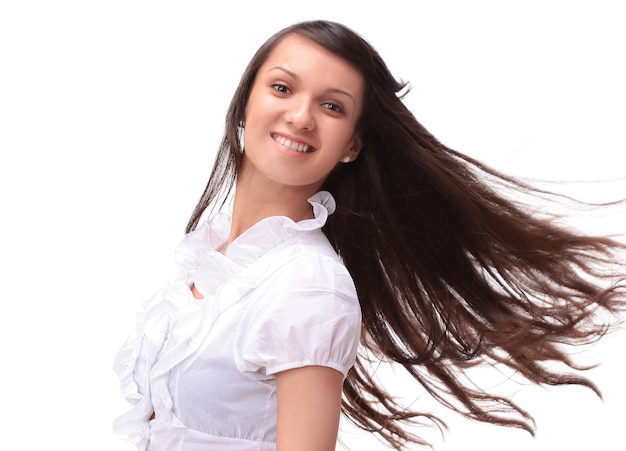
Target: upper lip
292	138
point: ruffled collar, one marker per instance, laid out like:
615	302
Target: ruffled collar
254	242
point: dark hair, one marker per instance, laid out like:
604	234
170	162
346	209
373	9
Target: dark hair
450	273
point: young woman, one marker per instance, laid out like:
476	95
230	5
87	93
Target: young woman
350	224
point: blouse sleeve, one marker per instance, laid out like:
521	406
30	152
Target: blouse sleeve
306	313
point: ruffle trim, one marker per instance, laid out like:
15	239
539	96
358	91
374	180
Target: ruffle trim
197	245
155	347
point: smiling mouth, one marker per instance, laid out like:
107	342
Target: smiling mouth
293	145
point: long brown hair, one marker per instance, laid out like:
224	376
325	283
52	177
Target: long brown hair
450	273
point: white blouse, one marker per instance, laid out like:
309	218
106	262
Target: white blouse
280	299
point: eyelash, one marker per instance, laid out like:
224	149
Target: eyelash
284	89
279	87
333	107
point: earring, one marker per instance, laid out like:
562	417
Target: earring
240	135
346	159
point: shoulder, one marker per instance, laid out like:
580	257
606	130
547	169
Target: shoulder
304	276
305	312
309	262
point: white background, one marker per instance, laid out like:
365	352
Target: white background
110	113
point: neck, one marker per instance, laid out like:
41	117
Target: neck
254	202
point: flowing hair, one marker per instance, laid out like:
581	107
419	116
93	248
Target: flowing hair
450	273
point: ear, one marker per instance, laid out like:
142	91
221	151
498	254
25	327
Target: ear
354	148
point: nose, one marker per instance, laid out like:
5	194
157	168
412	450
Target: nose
300	114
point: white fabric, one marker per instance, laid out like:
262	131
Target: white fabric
280	299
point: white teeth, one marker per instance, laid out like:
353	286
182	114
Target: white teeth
298	147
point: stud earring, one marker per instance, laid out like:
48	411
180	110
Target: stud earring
346	159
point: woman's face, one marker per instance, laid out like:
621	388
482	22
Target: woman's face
301	115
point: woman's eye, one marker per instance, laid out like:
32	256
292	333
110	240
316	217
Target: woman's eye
333	107
280	88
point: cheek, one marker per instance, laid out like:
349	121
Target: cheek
259	104
343	138
255	117
252	103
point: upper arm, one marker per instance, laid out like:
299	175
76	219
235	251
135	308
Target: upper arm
309	407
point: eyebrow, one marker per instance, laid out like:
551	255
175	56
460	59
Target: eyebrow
299	79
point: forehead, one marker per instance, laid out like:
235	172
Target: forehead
308	59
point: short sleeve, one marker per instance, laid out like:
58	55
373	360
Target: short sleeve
306	313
